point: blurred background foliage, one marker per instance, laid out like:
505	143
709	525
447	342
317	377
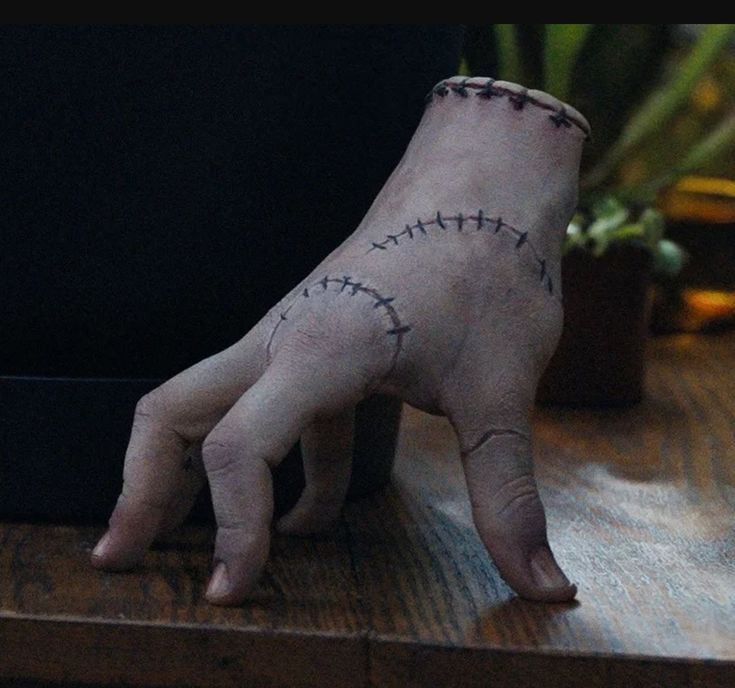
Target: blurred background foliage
661	102
653	93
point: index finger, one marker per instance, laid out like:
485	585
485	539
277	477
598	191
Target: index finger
166	423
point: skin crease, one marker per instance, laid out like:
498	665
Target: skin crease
457	315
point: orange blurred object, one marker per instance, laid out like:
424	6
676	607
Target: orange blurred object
700	213
704	309
701	200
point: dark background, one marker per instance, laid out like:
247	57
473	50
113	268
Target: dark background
162	187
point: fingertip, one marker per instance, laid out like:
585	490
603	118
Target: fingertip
562	594
227	589
546	572
111	556
100	550
218	589
550	584
114	564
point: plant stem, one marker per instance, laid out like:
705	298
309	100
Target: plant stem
663	103
562	45
709	148
509	53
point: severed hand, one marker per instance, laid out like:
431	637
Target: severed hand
447	296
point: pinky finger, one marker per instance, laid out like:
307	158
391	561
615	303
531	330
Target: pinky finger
326	446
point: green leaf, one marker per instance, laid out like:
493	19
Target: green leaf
720	140
509	53
663	103
616	70
562	45
610	222
575	235
634	230
609	208
668	258
654	225
610	215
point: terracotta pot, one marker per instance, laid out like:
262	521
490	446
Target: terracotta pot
600	357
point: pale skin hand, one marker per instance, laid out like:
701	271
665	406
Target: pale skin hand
446	295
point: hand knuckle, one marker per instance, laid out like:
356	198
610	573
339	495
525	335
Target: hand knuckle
219	452
516	495
151	404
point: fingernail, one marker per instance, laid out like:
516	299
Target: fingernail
219	583
546	571
101	547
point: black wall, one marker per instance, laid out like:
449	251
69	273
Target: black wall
162	187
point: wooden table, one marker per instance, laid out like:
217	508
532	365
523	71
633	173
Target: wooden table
641	504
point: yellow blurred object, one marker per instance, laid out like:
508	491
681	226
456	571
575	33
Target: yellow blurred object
707	95
634	171
707	185
701	199
701	216
705	308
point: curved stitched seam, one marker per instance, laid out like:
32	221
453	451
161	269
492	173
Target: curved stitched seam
398	330
482	222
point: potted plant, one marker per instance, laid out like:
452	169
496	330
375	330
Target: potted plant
615	243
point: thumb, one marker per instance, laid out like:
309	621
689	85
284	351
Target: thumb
509	515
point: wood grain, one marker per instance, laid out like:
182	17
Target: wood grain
641	504
63	621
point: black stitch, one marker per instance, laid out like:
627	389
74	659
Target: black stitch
461	219
519	100
306	293
550	286
488	90
380	301
461	88
384	301
560	118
